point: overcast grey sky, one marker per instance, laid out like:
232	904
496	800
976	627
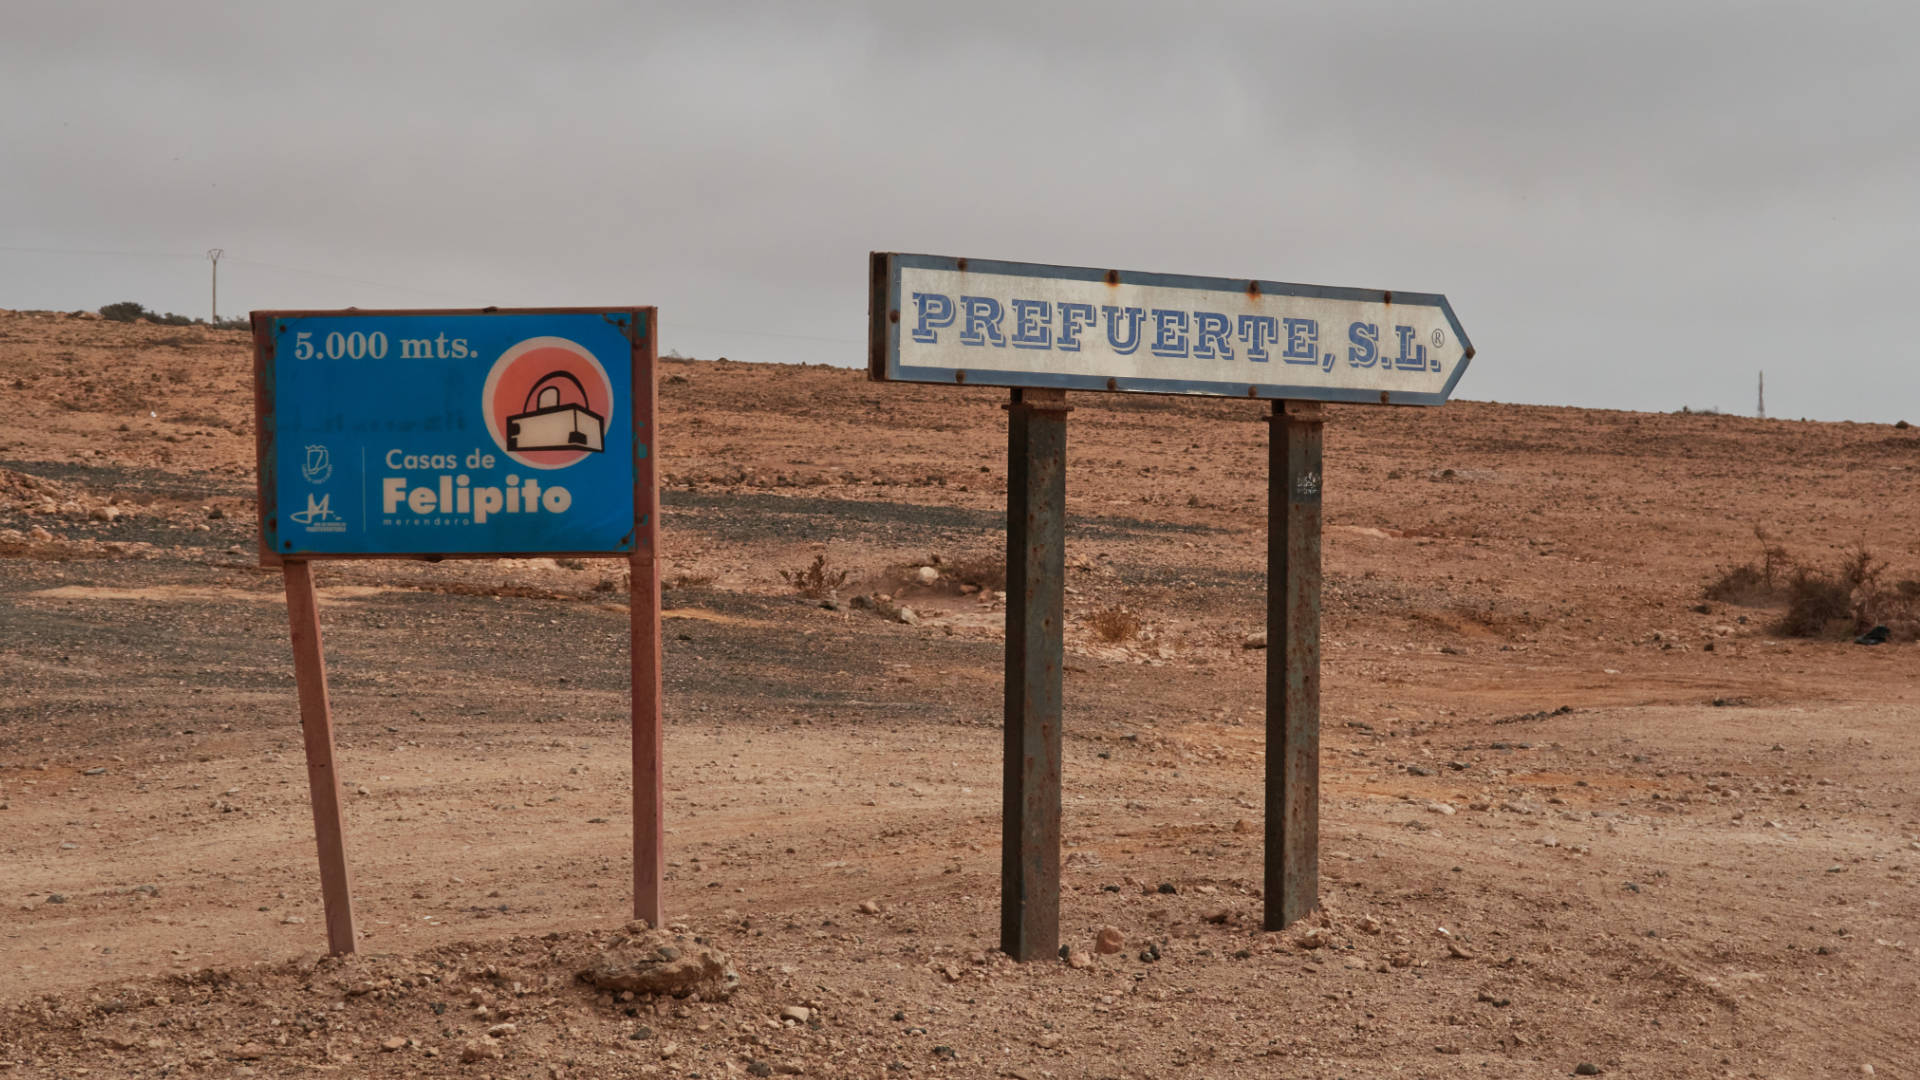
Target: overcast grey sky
1630	204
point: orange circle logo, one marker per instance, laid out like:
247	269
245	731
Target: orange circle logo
548	402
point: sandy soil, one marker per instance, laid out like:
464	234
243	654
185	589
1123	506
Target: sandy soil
1665	842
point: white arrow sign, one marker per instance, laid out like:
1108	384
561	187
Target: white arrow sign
939	319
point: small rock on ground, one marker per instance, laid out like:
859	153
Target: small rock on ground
657	962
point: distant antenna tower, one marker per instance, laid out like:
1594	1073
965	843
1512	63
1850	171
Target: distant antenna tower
213	256
1760	409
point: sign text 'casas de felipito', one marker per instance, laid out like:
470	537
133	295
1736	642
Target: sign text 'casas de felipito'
450	433
460	434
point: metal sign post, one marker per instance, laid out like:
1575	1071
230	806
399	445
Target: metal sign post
323	780
1294	482
643	640
1036	576
460	434
1043	330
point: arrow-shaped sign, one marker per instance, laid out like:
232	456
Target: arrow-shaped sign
971	321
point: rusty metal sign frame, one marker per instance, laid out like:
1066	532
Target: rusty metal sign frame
1036	572
644	640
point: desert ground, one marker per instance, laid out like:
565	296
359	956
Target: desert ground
1661	839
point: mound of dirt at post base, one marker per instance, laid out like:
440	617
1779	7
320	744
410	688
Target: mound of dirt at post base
523	1002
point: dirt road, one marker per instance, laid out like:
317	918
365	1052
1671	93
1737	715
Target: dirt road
1661	841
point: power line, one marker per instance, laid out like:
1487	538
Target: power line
78	251
673	324
342	277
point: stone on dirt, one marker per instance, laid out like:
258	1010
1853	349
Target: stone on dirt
799	1014
481	1050
1109	940
869	907
656	962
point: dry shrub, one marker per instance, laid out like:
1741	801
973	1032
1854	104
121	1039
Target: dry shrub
1819	604
1851	599
818	580
1755	584
1114	625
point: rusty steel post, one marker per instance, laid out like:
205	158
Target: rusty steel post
1036	576
643	637
316	731
1293	663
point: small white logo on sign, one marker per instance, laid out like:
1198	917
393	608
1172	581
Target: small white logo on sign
1308	485
319	515
318	466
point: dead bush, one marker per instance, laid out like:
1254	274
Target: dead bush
1819	604
1761	583
818	581
1114	625
1848	600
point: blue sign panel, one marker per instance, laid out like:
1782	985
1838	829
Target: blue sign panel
452	433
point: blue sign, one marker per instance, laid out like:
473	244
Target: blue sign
452	433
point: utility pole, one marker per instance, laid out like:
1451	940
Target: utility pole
213	256
1760	410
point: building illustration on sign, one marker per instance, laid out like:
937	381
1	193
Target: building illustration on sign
557	418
